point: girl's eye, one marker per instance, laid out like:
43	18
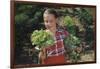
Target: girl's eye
48	21
45	21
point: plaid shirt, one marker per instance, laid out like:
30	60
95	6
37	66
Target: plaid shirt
58	48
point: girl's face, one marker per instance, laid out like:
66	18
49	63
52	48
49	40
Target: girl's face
50	21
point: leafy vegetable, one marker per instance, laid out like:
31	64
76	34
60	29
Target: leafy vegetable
41	38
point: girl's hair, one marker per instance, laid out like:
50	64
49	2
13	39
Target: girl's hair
51	11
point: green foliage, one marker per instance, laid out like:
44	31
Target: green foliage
74	56
20	18
71	41
41	38
87	20
68	21
69	24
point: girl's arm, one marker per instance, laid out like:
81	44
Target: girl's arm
42	55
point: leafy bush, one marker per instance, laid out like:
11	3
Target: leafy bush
71	42
68	21
69	24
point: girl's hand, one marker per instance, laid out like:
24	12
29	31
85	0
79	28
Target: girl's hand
42	55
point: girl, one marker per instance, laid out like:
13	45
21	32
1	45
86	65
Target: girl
53	54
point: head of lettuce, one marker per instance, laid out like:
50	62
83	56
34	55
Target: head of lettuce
42	39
